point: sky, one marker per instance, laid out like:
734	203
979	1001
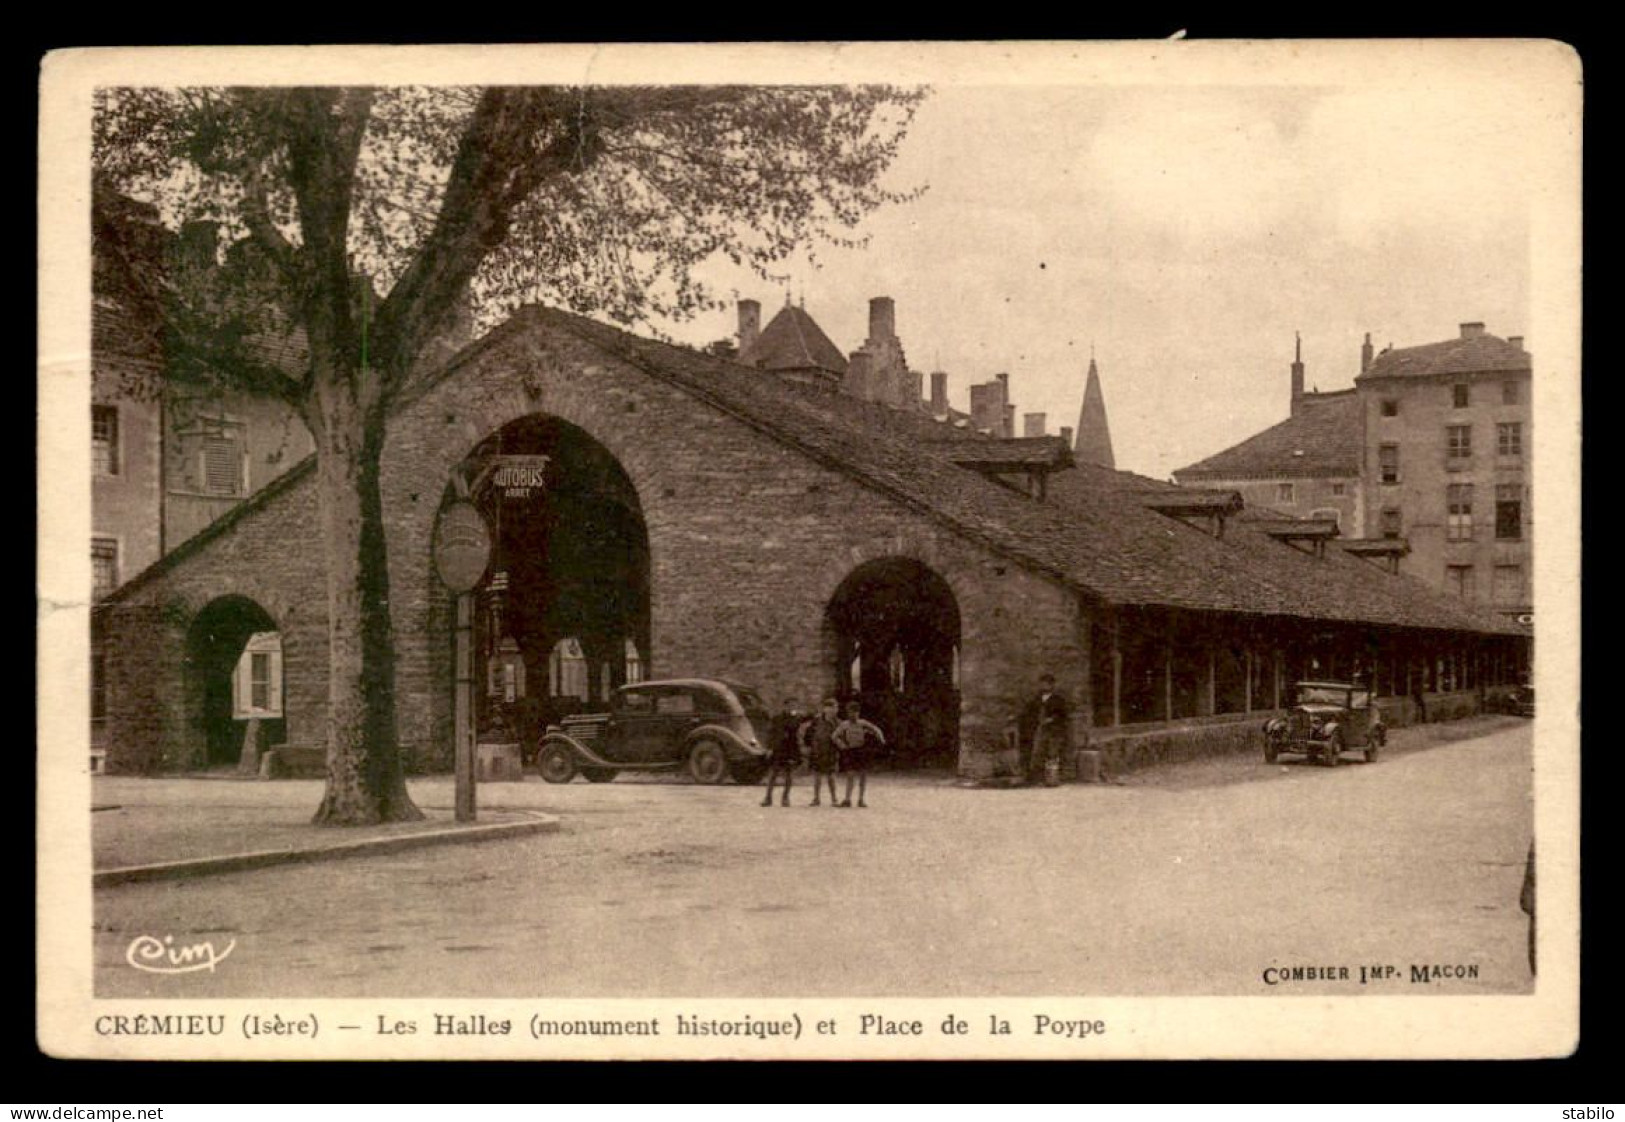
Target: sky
1184	233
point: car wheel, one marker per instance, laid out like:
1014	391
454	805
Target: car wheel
599	774
1270	751
556	763
708	763
1332	750
748	774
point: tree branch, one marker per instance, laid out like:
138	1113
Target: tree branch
257	217
504	154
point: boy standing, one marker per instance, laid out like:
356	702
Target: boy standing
857	740
819	736
785	735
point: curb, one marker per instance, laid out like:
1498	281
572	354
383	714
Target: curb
241	862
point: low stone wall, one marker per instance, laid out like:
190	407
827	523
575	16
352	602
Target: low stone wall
1397	712
1134	747
1130	749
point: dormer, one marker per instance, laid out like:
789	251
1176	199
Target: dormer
1021	463
1205	510
1385	552
1307	535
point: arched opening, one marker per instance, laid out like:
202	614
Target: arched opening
562	615
892	632
234	675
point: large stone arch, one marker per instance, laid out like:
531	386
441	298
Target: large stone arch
564	614
522	374
914	547
216	638
890	638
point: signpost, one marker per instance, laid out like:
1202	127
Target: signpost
462	551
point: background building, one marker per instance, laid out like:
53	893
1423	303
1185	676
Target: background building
1431	449
1308	466
165	460
1446	463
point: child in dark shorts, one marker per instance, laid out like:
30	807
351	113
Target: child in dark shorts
785	740
858	740
819	737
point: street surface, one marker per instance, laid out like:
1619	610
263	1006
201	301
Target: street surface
1165	885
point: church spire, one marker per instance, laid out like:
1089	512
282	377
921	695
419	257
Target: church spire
1094	440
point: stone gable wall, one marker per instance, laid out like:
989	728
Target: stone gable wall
748	540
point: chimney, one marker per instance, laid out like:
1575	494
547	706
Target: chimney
1365	354
1471	330
1516	341
750	324
984	406
939	393
882	318
1066	435
860	376
1009	428
1032	424
1297	376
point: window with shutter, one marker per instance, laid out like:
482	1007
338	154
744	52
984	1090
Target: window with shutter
1388	462
1459	527
222	466
104	439
103	565
1509	511
256	689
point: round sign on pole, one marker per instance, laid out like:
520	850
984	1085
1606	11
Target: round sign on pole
462	546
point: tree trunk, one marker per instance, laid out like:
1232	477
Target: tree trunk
366	783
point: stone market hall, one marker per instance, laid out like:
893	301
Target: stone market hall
658	512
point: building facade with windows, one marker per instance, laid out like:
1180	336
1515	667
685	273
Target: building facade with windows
1430	449
1447	444
1308	466
166	462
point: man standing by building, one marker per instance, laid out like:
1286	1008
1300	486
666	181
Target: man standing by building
1047	722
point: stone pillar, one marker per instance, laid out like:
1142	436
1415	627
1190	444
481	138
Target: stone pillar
248	762
1117	682
1167	679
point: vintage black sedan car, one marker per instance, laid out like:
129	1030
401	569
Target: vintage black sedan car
1518	701
712	729
1326	720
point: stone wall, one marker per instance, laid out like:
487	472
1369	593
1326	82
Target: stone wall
748	538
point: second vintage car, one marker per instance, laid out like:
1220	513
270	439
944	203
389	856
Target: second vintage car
710	728
1326	720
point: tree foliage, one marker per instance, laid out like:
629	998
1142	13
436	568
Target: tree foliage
601	200
328	235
